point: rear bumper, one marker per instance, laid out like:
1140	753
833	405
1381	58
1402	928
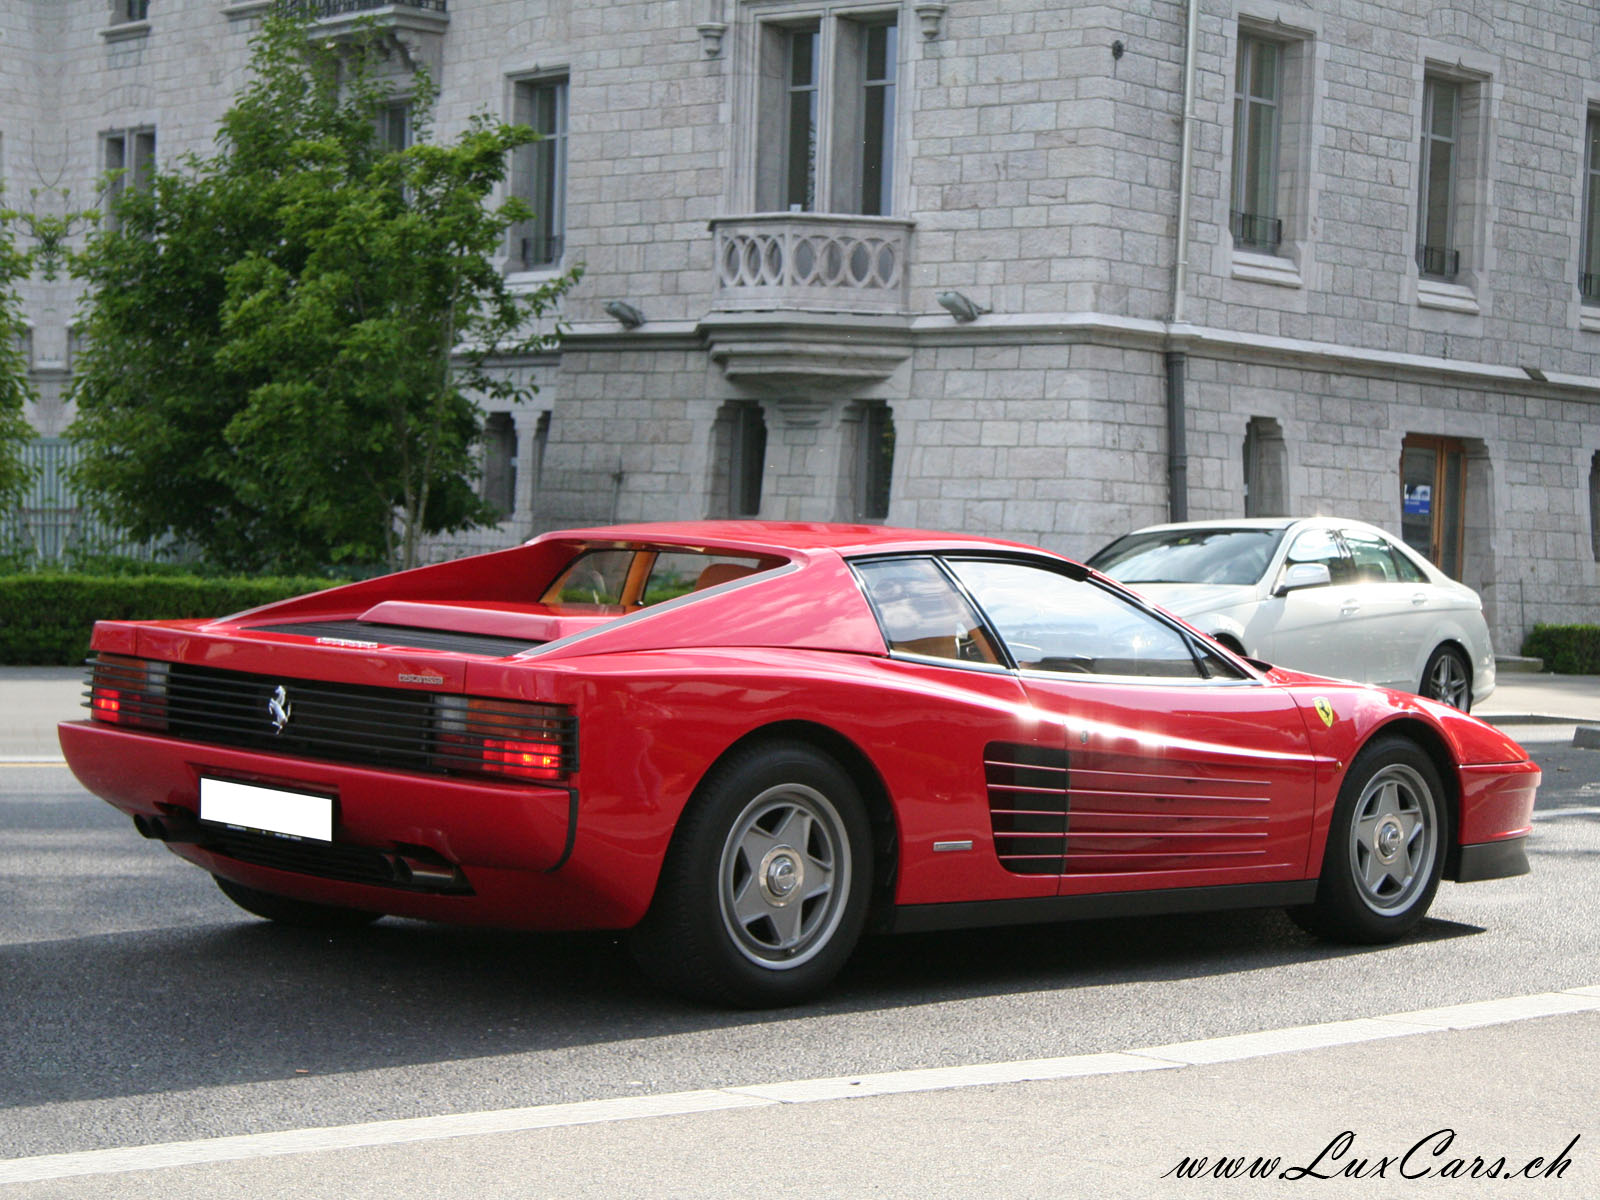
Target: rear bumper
507	842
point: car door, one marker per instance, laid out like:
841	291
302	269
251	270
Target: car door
1176	768
1393	614
1315	629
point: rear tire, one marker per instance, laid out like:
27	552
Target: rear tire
1386	847
764	890
1448	678
300	913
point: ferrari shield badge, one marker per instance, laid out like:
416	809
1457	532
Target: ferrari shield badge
1324	710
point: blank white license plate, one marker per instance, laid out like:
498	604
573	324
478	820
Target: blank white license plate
267	809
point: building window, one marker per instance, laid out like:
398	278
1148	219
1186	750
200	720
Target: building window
1266	469
394	125
123	11
1589	271
1257	121
827	104
874	462
1437	254
749	460
1594	505
539	174
499	485
129	156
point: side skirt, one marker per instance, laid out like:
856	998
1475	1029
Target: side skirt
918	918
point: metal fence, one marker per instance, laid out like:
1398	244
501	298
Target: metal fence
52	525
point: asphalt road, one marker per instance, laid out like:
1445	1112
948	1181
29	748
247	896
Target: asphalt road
137	1006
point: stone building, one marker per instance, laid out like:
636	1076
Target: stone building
1044	270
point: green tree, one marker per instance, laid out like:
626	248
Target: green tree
285	338
15	390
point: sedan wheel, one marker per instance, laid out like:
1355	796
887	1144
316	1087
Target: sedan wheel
764	891
1448	679
1385	849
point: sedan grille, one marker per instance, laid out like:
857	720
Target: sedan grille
385	727
1027	806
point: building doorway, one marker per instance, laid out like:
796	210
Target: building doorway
1433	495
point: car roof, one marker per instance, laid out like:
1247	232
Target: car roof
784	537
1266	523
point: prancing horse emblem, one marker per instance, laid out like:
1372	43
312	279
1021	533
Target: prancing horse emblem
279	709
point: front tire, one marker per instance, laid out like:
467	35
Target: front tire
1448	678
764	890
1386	847
302	914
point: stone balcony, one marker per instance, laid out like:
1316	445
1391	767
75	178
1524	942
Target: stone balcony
811	262
809	304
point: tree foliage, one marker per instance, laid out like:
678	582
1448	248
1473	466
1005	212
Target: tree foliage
15	390
285	338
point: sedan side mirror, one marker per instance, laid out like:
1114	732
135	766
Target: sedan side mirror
1303	575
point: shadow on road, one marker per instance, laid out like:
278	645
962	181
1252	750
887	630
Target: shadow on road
173	1009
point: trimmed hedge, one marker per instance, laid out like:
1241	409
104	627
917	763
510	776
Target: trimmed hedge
45	620
1566	649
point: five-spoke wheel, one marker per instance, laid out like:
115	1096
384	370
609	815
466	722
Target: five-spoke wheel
784	875
1385	849
1448	678
764	890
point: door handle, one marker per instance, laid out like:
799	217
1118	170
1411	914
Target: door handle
1419	599
1349	608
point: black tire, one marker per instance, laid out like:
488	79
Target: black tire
300	913
1447	678
764	890
1386	847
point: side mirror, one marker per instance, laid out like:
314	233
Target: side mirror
1303	575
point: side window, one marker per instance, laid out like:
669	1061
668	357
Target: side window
921	611
1320	545
1051	622
1377	561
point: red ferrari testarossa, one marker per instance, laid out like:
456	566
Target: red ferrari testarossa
747	743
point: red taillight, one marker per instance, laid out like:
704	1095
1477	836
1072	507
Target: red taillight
505	737
128	691
530	760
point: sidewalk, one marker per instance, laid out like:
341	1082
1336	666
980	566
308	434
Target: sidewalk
33	699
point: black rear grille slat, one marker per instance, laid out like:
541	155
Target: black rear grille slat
411	636
1028	802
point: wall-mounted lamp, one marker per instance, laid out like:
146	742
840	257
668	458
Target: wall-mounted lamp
626	314
960	307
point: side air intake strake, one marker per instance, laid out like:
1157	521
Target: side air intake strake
1028	790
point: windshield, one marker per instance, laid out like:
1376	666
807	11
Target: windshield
1227	556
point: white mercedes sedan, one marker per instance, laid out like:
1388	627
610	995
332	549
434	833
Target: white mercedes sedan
1317	594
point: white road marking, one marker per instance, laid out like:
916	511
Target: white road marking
1174	1056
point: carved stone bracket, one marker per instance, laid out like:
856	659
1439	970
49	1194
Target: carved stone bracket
932	18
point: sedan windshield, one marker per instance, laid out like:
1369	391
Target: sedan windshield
1226	556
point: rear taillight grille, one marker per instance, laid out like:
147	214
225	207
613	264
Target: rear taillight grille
403	730
128	691
1028	798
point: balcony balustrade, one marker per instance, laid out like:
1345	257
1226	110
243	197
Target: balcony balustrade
811	262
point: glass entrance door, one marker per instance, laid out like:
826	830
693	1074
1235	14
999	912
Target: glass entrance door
1433	478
